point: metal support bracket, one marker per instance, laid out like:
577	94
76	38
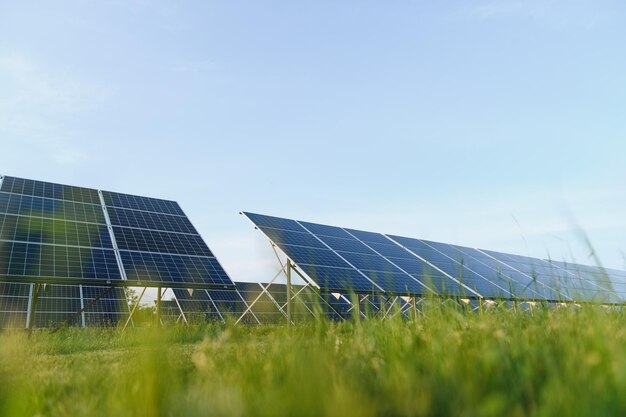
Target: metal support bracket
80	312
130	316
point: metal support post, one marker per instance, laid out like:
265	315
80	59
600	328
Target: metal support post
288	293
158	307
33	309
130	316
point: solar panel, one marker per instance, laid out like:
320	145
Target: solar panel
339	303
78	239
109	310
57	303
157	243
345	260
170	311
72	235
14	299
229	303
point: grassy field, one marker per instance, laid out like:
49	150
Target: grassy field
553	362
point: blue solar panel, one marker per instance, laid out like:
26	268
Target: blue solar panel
62	234
229	303
338	304
617	281
543	279
49	190
588	283
339	279
157	243
514	284
148	220
365	261
263	222
162	242
344	263
147	204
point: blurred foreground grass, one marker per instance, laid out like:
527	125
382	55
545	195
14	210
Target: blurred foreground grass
445	362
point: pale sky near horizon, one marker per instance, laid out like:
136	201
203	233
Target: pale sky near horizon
493	124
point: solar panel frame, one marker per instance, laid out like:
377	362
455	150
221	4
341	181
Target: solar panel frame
266	309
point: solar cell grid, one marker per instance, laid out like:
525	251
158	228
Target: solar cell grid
13	304
274	222
289	237
53	232
314	256
470	280
150	233
590	277
56	304
481	268
323	230
160	242
513	282
63	263
147	267
147	220
228	302
369	237
541	278
49	190
134	202
339	304
109	310
346	245
338	279
50	209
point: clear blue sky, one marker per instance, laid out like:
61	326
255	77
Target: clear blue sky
497	124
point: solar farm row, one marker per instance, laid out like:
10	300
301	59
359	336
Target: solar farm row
343	260
81	241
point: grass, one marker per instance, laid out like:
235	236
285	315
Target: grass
445	362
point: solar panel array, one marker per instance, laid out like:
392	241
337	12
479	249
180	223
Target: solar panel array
346	260
64	234
70	236
60	302
268	303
